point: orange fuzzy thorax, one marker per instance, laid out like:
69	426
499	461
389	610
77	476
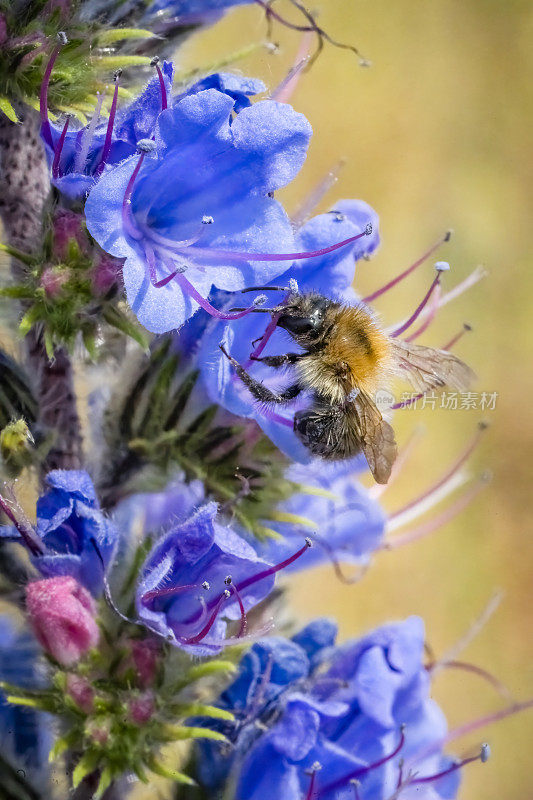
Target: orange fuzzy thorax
356	355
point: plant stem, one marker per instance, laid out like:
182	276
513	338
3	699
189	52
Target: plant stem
25	192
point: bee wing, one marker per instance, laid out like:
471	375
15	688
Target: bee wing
377	438
428	368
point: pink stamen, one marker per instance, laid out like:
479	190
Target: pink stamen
337	567
474	630
130	227
240	256
487	676
432	312
449	771
59	149
43	98
453	341
453	470
244	619
357	773
157	594
109	132
28	535
189	289
409	402
276	568
164	101
284	91
209	624
418	310
371	297
315	196
441	519
311	790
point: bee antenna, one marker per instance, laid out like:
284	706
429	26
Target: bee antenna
264	289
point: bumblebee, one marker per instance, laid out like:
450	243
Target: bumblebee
345	359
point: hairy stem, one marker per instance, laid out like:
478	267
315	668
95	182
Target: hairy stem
25	192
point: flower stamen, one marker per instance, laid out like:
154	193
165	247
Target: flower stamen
371	297
110	122
59	148
164	100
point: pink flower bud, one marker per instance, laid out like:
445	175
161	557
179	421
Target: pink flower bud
144	655
62	614
141	708
53	279
81	692
98	730
68	225
106	273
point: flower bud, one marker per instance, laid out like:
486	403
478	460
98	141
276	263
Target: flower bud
62	614
141	708
53	279
144	655
81	692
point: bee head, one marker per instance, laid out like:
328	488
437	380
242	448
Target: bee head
304	317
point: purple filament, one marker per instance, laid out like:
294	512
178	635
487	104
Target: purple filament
164	102
43	98
109	132
361	771
240	256
29	537
453	768
369	298
189	289
311	791
453	470
418	310
59	149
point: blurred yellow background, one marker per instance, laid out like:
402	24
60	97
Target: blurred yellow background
435	136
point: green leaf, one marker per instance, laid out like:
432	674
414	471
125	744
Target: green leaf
17	292
87	764
12	251
206	670
30	317
116	62
199	710
118	34
120	321
180	733
8	109
172	774
104	783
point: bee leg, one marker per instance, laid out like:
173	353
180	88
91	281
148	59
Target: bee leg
279	361
259	390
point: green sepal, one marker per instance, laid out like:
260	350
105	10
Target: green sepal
8	110
121	322
112	35
104	783
200	710
206	670
166	772
117	62
87	764
181	733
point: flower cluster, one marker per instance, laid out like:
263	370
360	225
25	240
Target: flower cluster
151	576
319	720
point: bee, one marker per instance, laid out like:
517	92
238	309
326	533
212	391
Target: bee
345	358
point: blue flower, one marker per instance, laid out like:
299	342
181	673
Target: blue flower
236	86
348	525
78	157
192	12
189	214
349	713
266	671
199	576
25	734
330	274
78	539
